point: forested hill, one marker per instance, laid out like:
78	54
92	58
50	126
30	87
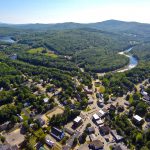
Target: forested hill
109	25
90	46
121	26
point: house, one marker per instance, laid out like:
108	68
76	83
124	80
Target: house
113	98
26	104
120	108
99	122
119	147
13	57
99	95
57	133
20	117
77	121
105	110
95	117
46	100
78	97
142	87
41	121
56	93
66	147
87	90
38	146
144	93
101	103
49	142
91	130
96	145
52	89
118	138
146	97
107	138
92	137
109	101
4	126
32	114
97	81
104	130
127	103
137	119
112	107
90	101
101	113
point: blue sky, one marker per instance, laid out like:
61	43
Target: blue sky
82	11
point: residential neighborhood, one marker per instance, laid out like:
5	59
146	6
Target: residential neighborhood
91	129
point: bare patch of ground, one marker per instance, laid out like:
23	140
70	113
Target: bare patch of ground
14	137
54	111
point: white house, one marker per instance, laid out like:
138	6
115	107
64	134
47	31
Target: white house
49	142
137	118
144	93
96	117
99	122
102	113
77	120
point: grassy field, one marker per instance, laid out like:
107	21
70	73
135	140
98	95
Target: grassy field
51	54
40	50
36	50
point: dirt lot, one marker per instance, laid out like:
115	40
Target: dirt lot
14	137
54	111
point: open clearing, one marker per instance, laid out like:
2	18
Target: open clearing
14	137
36	50
55	111
40	50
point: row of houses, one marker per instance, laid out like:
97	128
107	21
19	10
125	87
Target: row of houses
56	133
97	117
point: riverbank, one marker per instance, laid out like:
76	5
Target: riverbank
133	62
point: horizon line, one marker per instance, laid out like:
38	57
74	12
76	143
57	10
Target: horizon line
9	23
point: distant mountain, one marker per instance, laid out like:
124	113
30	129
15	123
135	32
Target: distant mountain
38	26
133	28
122	26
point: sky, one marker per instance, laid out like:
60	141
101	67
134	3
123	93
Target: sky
81	11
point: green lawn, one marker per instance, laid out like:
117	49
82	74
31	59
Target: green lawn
51	54
39	51
39	133
24	117
36	50
32	140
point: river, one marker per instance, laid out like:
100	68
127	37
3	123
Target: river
6	39
133	62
